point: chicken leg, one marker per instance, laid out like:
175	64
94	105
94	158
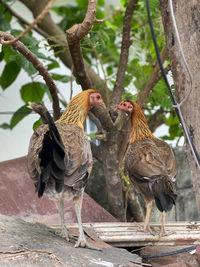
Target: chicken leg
82	242
64	232
162	229
147	217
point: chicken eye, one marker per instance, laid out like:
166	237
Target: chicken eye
124	104
98	97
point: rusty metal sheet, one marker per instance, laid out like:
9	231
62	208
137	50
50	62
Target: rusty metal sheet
17	197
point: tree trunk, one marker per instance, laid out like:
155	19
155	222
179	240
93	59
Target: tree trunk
187	14
114	188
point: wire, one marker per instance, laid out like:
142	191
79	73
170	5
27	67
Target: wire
168	253
181	51
175	104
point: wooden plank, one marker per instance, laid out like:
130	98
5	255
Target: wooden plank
120	234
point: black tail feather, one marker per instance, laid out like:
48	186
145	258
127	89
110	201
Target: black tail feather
52	158
164	202
164	193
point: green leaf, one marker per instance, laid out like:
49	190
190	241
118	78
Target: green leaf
1	56
82	3
10	73
166	102
92	135
36	124
5	1
5	19
61	78
21	113
53	65
25	64
109	70
33	92
173	130
5	126
9	53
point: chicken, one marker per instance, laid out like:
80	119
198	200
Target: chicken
150	164
59	157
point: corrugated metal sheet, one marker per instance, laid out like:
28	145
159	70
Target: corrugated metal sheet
131	234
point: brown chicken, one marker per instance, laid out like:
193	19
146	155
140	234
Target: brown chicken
60	158
150	164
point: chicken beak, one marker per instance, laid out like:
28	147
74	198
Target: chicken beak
116	108
103	105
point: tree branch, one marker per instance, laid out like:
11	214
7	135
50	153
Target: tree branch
156	120
126	42
95	121
104	117
35	22
19	46
53	30
154	78
96	152
74	35
37	29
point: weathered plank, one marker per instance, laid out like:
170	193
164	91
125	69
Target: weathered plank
130	234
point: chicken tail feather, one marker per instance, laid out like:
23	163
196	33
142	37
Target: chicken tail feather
163	189
52	158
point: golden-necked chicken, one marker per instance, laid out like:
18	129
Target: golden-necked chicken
60	158
150	164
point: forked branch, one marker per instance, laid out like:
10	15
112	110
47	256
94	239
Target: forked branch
74	36
19	46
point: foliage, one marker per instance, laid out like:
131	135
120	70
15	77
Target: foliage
101	48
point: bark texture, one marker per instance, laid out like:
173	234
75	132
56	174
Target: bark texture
187	16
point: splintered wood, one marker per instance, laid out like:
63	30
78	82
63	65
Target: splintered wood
131	235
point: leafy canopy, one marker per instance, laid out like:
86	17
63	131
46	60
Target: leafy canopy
101	48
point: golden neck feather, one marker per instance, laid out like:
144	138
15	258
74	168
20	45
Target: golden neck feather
140	128
77	110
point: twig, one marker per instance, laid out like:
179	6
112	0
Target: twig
37	29
39	66
36	21
126	42
109	17
154	78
